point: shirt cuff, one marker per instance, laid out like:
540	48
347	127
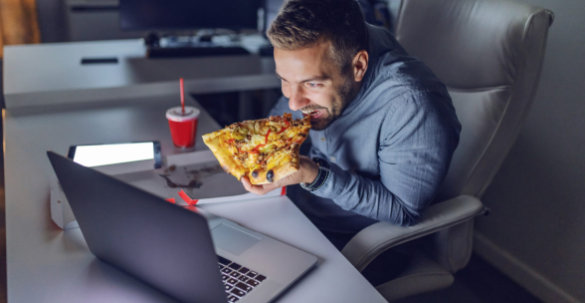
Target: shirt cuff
322	175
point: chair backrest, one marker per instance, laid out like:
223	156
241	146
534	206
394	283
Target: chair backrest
489	53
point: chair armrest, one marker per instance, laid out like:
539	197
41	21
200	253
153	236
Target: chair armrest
376	238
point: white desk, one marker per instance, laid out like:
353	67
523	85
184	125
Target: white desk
47	74
45	264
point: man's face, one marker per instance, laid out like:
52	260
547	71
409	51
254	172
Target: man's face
313	83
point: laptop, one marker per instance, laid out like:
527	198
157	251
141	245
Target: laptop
176	250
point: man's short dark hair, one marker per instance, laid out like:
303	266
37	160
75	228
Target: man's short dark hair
303	23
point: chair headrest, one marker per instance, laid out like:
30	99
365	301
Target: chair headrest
458	38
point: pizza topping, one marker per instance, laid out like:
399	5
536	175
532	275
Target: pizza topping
287	125
270	175
266	137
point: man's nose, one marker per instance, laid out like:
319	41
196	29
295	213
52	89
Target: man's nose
296	99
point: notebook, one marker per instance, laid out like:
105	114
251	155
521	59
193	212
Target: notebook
176	250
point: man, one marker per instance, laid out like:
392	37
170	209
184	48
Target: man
383	127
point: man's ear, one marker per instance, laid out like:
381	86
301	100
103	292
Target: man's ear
360	65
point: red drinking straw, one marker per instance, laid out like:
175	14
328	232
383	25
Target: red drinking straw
182	97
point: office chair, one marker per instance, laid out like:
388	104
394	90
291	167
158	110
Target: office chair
489	54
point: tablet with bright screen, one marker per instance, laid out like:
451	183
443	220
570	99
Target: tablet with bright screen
108	154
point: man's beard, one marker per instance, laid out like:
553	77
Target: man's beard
346	95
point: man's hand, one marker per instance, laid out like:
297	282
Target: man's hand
307	173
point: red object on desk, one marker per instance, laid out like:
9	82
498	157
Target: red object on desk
187	199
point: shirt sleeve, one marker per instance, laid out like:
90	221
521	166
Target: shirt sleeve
418	137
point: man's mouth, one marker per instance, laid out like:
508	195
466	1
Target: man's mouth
315	113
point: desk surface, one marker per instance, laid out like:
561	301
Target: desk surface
52	73
46	264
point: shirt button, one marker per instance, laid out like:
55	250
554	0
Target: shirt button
323	139
332	159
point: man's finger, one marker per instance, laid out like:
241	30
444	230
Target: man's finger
246	183
259	190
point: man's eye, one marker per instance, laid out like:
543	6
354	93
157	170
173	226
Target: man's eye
314	84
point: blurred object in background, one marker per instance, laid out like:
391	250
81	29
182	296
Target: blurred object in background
18	23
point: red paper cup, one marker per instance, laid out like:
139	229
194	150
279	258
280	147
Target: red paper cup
183	126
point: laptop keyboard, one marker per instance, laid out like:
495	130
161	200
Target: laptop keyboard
238	280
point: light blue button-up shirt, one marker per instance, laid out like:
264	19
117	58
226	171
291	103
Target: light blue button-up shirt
389	149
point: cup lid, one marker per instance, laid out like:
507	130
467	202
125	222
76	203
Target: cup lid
176	113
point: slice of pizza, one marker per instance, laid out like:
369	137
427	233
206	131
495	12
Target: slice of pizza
264	150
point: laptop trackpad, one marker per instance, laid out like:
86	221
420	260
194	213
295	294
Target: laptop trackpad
231	239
